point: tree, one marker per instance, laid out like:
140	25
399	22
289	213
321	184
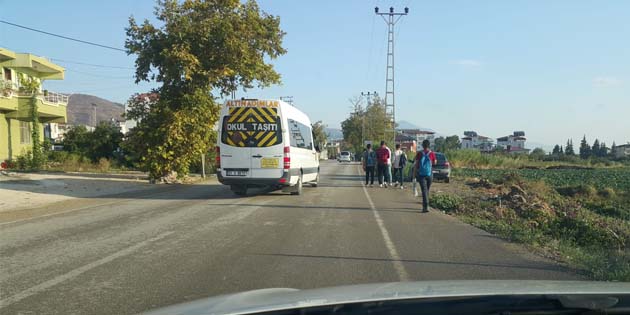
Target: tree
613	149
77	140
561	151
537	154
596	148
452	143
319	134
352	128
556	150
104	141
568	150
603	150
198	47
585	149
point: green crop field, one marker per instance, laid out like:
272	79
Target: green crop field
616	178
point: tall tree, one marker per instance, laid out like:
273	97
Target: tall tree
595	149
452	143
585	149
197	49
613	149
556	150
319	134
561	151
603	150
568	150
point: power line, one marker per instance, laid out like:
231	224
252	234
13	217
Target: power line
61	36
91	64
97	75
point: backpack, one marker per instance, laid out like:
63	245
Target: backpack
382	155
370	158
424	164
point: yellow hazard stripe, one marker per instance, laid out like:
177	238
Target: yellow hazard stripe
260	134
237	113
254	112
272	141
229	141
262	142
265	114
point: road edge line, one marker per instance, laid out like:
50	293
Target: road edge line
393	252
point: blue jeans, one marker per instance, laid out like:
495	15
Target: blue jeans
425	185
398	175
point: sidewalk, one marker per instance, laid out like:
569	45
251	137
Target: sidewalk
30	190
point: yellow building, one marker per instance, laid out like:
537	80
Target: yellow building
15	125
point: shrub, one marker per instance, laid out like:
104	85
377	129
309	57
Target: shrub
104	165
24	161
446	202
578	190
607	192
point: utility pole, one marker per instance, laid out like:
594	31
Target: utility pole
369	96
288	99
390	18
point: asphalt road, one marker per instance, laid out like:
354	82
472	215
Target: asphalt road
127	254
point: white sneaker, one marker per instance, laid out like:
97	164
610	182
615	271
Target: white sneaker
385	185
401	187
380	185
415	193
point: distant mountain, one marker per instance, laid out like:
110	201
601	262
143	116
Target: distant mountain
403	124
334	133
81	110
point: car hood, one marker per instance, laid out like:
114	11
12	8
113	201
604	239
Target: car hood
284	298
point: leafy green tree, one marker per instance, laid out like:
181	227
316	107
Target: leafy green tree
569	148
452	143
603	150
104	141
585	149
197	48
561	151
77	140
352	129
319	134
556	150
537	154
595	149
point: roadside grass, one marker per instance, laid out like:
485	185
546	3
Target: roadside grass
474	159
584	226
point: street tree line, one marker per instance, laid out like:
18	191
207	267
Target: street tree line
585	151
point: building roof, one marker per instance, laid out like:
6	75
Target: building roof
507	138
33	65
416	132
404	138
623	146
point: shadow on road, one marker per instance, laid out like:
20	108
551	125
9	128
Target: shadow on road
401	210
538	266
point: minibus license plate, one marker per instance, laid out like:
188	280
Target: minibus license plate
236	173
269	163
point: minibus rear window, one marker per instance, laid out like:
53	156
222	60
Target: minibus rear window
251	127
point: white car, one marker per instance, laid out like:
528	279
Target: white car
265	143
345	156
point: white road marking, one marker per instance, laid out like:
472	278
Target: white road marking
393	253
77	272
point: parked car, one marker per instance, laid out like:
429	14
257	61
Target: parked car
345	156
442	170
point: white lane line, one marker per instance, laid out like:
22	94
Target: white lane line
76	272
393	253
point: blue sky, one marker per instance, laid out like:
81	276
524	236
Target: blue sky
555	69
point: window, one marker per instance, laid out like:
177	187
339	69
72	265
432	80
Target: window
25	132
252	127
7	74
301	135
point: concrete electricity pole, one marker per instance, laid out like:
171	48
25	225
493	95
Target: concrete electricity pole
390	18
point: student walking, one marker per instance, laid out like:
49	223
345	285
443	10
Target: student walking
369	163
382	156
423	171
388	169
400	161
